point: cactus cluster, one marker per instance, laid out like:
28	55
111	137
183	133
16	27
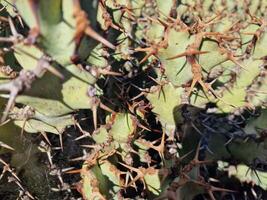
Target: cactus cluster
174	93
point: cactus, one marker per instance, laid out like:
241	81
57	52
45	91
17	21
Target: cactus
174	92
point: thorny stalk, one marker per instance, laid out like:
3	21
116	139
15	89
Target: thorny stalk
24	81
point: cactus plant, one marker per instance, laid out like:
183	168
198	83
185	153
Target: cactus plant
173	92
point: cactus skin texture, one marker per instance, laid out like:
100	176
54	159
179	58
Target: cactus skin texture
175	91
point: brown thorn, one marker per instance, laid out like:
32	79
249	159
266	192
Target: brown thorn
194	82
45	137
3	19
163	23
158	20
54	71
160	148
146	57
82	26
139	95
147	49
143	127
74	171
106	108
140	174
107	72
231	57
82	136
188	53
8	169
91	32
248	33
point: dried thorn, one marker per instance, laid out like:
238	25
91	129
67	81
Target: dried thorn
49	157
247	33
217	189
12	27
88	146
210	189
151	51
3	173
156	81
214	180
4	39
56	189
211	195
158	20
143	127
27	193
91	32
3	19
6	146
54	71
82	136
128	175
139	95
3	8
45	137
83	27
5	122
15	38
10	104
61	141
7	168
106	108
131	15
91	146
179	160
94	110
146	58
141	89
231	57
24	80
67	169
163	23
107	72
80	128
78	159
196	161
23	126
20	21
259	92
74	171
56	148
140	174
160	148
188	53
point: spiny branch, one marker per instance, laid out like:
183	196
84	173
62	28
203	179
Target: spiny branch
24	81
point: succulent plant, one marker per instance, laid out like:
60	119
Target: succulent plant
175	91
